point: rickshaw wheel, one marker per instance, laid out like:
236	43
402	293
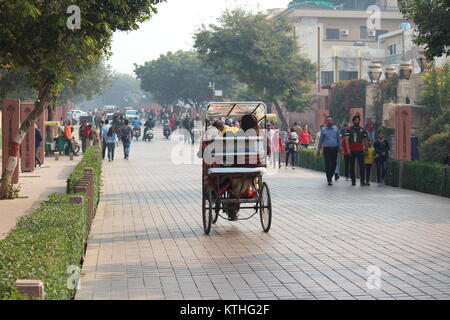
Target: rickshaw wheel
207	212
265	207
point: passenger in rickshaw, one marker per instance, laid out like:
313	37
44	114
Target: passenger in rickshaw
243	187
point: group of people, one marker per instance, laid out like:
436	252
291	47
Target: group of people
109	137
354	143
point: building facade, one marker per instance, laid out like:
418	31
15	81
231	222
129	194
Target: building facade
342	40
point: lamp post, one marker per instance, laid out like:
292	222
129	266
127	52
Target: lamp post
390	72
423	63
406	70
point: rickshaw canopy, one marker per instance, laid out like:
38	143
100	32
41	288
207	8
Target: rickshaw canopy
236	109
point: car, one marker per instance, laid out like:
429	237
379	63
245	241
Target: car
75	115
132	115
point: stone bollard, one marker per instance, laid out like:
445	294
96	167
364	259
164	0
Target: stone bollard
56	157
76	199
71	157
31	288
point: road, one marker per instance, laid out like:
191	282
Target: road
338	242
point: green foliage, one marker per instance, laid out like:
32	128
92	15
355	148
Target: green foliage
181	76
46	242
15	85
89	161
435	97
261	52
43	245
427	177
435	148
435	93
432	22
346	95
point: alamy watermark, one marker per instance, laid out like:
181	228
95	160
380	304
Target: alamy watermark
73	281
74	20
373	278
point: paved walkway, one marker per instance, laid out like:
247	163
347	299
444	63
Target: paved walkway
35	187
147	240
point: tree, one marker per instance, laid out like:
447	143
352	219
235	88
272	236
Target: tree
262	53
15	85
346	95
432	18
124	91
181	76
435	96
34	36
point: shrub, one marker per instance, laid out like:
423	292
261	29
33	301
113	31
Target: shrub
43	245
46	242
89	161
435	148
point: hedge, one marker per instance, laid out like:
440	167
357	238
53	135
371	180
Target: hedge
418	176
43	245
49	240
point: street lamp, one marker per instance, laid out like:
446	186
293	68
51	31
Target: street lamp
423	63
390	72
406	70
375	72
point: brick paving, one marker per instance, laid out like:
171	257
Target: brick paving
147	240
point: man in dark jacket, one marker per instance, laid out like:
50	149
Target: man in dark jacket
37	145
357	140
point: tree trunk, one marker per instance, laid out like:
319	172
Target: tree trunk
40	105
284	124
51	116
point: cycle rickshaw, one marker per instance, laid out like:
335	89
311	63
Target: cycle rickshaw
229	160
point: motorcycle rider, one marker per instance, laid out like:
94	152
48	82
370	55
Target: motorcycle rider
148	125
166	126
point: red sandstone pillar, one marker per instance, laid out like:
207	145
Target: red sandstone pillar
10	128
27	154
403	124
41	126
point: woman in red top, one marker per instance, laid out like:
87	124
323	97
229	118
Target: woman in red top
305	137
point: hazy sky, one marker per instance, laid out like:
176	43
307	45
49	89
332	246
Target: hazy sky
172	29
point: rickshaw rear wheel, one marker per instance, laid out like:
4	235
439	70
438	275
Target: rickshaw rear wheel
207	211
265	207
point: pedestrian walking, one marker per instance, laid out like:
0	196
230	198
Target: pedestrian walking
37	144
331	142
291	148
68	136
369	158
381	146
305	136
357	140
126	136
104	128
111	141
85	134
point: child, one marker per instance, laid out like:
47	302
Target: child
369	157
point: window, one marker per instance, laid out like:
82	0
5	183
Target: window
363	32
326	77
332	34
379	33
348	75
392	49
